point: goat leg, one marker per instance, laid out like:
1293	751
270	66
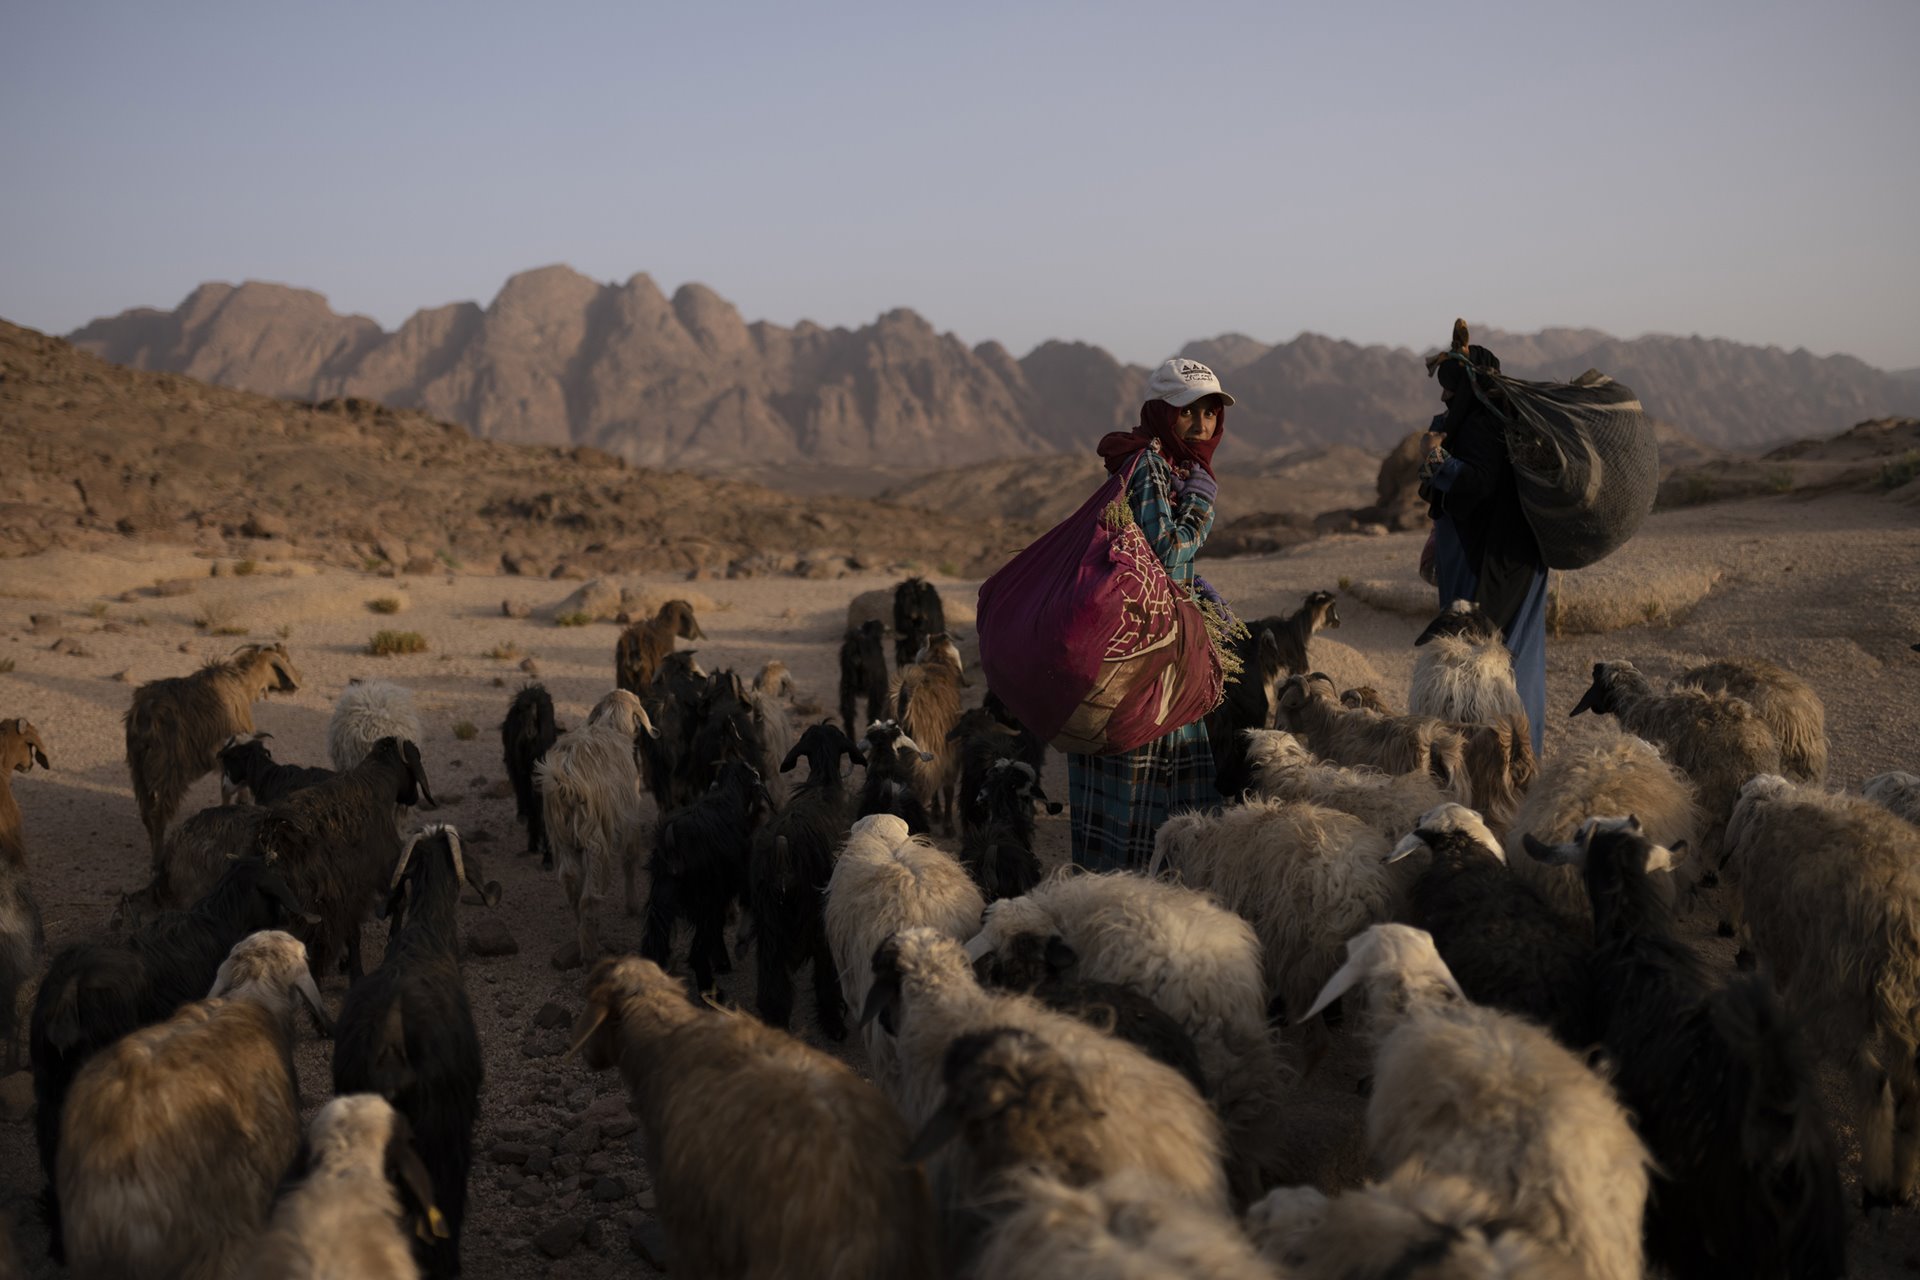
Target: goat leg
775	997
828	1001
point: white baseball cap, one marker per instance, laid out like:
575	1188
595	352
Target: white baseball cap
1181	381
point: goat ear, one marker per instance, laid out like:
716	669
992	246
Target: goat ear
942	1127
1348	975
1445	624
409	1176
1571	854
1660	858
1411	843
1590	700
793	756
418	772
41	758
310	992
883	1002
854	753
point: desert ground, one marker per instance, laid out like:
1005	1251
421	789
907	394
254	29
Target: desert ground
1823	585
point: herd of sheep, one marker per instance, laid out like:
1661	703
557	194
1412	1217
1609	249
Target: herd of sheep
1081	1075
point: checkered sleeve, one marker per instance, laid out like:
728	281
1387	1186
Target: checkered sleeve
1176	533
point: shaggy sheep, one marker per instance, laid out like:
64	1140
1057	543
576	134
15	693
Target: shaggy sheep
1305	877
406	1031
172	1140
1470	1092
1464	671
176	727
1785	703
1898	793
1281	768
336	844
94	993
23	938
354	1200
1124	1227
642	647
1354	736
248	772
1715	738
769	1158
590	803
1032	964
369	710
1619	774
1827	889
1497	934
525	737
886	880
1747	1183
927	705
999	853
699	868
787	879
1146	1114
1405	1228
863	674
917	614
1196	960
893	760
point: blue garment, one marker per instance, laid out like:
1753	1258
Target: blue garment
1526	631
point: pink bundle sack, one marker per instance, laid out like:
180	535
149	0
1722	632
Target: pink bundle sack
1089	642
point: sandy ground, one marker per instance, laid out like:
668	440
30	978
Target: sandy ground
1826	587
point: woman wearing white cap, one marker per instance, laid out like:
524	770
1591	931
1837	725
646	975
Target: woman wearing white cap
1118	801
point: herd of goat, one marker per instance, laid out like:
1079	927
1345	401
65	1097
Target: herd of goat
1071	1074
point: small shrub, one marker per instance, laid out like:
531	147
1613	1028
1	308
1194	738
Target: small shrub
1650	610
1346	583
949	569
578	618
6	665
1901	470
371	563
466	731
386	643
245	568
97	610
284	631
384	604
502	652
216	617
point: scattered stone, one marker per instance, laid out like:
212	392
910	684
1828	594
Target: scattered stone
491	937
552	1015
579	1099
479	835
540	1163
113	628
581	1140
544	1044
392	550
510	1178
499	683
42	622
184	647
646	1201
515	609
607	1189
566	955
593	1238
16	1096
529	666
613	1115
509	1152
122	677
565	1166
649	1242
71	647
532	1192
500	790
420	565
597	1163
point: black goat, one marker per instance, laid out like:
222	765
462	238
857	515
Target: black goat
787	880
999	855
246	763
406	1030
699	868
984	740
726	729
917	614
1248	704
525	735
1746	1178
1028	748
672	702
95	992
1035	964
336	845
863	673
1503	941
891	756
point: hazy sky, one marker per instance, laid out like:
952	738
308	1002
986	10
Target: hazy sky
1128	174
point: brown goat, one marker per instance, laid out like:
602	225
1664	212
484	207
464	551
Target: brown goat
1355	736
176	727
706	1084
23	938
1500	767
926	702
1366	698
644	645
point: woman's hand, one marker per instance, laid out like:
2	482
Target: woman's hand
1200	482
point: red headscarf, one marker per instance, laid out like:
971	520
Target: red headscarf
1160	421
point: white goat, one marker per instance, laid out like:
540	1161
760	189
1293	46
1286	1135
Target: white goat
1390	803
1464	671
590	797
1898	793
885	881
1465	1091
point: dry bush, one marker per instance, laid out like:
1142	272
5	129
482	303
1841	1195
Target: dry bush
219	618
387	643
466	731
384	604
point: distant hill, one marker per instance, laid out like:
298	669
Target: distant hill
684	381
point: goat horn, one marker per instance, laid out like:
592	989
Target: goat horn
406	855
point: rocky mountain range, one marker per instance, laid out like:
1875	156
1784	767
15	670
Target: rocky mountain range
684	381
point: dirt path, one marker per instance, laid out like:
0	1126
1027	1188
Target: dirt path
1826	587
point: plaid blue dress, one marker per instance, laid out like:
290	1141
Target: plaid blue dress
1117	802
